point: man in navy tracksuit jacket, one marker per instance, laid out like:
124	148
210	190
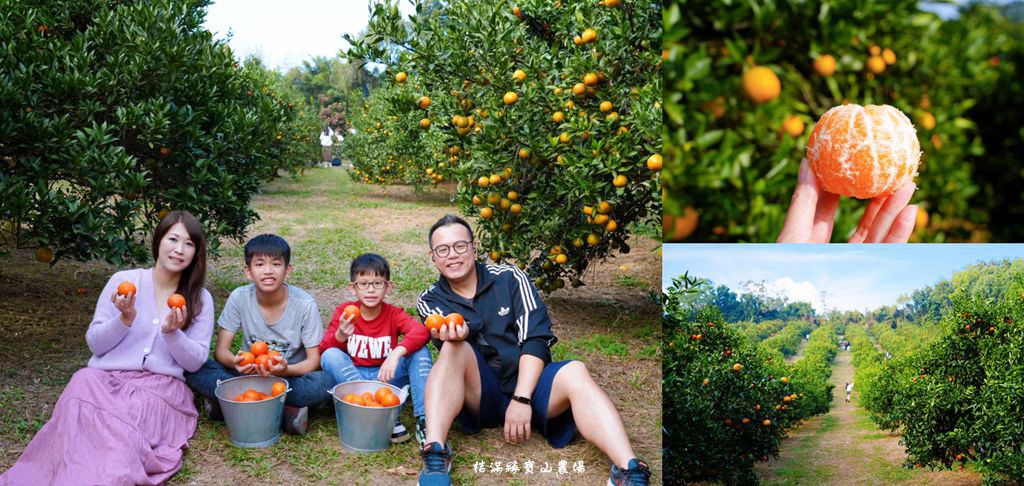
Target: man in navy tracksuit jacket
496	370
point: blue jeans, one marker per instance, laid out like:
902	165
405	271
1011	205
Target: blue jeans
412	370
306	390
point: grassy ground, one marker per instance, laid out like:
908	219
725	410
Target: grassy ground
845	447
612	324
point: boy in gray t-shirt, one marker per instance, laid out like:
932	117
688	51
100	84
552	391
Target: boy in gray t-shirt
284	317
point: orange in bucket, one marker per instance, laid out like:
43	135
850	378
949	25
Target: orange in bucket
863	151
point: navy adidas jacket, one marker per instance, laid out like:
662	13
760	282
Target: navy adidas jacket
506	318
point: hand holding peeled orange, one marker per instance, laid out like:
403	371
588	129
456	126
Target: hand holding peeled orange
868	152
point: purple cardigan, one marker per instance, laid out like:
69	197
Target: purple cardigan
143	346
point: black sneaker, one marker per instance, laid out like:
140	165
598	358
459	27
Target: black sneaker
636	474
437	464
399	434
212	409
421	431
295	420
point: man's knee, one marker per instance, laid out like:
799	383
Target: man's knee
453	351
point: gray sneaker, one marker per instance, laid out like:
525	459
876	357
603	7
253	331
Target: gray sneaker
296	420
421	431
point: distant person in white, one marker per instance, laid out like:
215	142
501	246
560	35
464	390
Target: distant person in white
849	390
326	141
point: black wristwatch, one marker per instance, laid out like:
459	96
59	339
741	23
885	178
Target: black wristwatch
520	399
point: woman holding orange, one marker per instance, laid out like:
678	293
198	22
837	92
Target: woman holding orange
126	418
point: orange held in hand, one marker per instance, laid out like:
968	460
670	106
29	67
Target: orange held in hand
247	358
258	348
863	151
454	320
175	300
126	288
434	321
351	310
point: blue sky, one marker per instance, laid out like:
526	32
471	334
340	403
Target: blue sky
855	277
284	34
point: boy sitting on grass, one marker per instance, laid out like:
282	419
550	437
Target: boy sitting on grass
283	316
365	346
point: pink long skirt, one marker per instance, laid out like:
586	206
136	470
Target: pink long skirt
110	427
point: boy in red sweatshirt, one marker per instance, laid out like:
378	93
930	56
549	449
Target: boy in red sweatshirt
366	346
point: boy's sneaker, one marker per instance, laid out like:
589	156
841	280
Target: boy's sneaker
437	463
296	420
399	433
636	473
421	431
212	409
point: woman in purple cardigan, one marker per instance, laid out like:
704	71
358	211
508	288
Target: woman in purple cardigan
127	417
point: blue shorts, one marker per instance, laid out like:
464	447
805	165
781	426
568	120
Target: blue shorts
558	430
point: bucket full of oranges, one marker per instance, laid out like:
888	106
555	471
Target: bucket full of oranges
366	412
252	407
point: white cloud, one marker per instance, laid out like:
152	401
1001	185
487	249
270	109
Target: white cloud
794	291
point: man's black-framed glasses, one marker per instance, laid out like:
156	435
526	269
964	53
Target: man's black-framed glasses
459	247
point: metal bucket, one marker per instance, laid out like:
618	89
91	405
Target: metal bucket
252	424
364	429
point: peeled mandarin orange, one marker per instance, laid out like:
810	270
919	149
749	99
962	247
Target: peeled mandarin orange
863	151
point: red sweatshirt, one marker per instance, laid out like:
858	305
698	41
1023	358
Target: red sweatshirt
372	341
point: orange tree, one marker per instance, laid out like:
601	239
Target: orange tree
545	113
959	400
745	85
115	112
727	401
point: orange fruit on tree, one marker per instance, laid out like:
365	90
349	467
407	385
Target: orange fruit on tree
483	181
512	195
126	288
793	125
524	153
510	98
825	65
423	103
927	120
875	50
606	106
176	300
876	64
588	36
434	321
277	388
258	348
590	79
486	213
888	56
425	123
519	75
921	221
620	181
611	226
350	310
401	77
515	208
863	151
654	162
247	358
561	259
495	180
677	228
761	84
558	117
